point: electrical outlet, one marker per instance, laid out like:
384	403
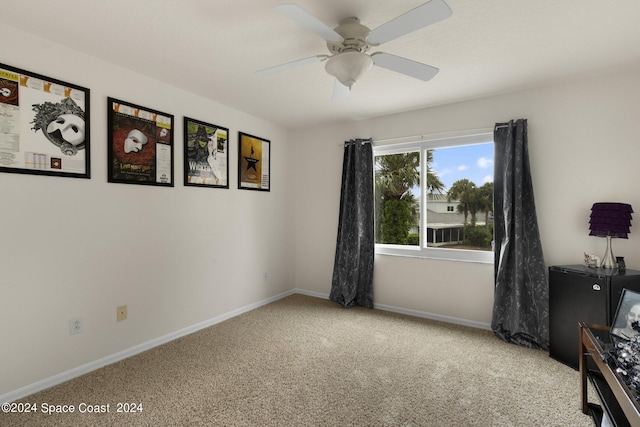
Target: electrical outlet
121	313
75	325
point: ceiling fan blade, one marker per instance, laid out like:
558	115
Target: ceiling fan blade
340	91
308	21
405	66
282	67
420	17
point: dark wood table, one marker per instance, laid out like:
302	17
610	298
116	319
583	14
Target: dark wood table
618	401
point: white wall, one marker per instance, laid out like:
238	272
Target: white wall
584	147
80	248
69	247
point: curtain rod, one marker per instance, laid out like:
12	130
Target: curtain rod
438	134
442	135
347	143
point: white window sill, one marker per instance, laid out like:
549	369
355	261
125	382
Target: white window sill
459	255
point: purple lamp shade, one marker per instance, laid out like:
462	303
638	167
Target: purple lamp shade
610	220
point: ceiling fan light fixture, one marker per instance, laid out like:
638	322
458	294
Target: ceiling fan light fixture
348	67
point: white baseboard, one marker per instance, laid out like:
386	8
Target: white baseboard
433	316
311	293
132	351
116	357
415	313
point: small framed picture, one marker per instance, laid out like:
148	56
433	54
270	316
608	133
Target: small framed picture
140	144
254	165
206	154
44	125
626	323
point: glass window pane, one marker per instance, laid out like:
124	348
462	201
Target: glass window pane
459	197
397	192
421	199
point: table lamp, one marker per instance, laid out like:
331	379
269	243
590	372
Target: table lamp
610	220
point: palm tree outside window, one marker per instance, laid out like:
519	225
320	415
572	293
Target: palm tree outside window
435	196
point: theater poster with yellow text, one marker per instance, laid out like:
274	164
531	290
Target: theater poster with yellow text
44	125
140	144
254	166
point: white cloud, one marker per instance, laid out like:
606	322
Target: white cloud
444	172
487	178
462	168
485	163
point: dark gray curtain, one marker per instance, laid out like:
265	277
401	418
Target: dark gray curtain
521	302
352	282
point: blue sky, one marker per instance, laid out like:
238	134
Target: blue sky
474	162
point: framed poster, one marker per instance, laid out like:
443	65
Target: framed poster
140	144
206	154
626	323
44	125
254	166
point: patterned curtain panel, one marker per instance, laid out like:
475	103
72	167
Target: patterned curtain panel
352	282
521	302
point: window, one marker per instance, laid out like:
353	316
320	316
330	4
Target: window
434	198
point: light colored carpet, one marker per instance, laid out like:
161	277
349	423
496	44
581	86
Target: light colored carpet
304	361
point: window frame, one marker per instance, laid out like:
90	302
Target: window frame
422	145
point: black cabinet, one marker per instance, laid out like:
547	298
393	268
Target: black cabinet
582	294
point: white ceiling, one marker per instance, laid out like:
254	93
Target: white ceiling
213	48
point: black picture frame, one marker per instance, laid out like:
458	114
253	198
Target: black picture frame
46	126
140	144
254	153
206	154
622	323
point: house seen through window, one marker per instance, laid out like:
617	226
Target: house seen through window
435	198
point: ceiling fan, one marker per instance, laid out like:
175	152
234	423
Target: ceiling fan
350	41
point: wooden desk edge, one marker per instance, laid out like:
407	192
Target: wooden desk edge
622	393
